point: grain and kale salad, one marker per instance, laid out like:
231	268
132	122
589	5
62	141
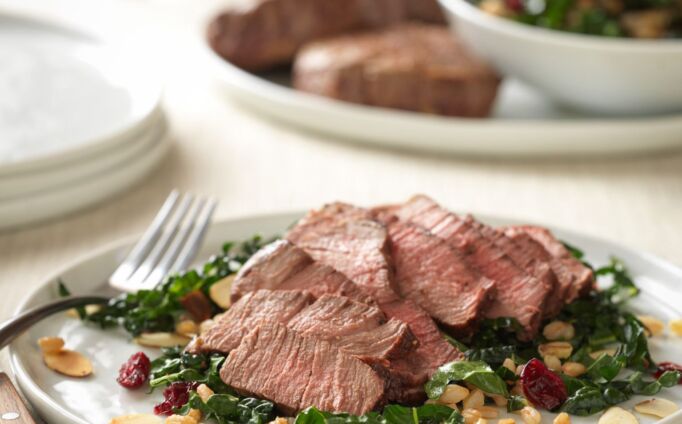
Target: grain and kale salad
650	19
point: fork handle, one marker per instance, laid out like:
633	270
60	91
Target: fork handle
12	408
14	327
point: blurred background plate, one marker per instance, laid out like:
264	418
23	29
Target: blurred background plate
524	122
31	183
66	95
89	189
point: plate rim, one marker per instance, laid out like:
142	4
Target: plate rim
240	82
100	144
37	395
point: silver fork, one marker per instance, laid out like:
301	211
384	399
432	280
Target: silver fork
168	245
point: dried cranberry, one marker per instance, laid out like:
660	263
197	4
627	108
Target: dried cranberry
541	386
175	396
135	371
668	366
514	5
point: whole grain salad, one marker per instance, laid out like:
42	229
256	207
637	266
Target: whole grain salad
399	314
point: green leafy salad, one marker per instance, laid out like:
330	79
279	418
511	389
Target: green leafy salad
592	356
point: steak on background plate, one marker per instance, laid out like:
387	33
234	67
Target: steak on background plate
260	34
411	66
296	371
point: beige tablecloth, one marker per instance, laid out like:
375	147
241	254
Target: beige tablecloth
253	165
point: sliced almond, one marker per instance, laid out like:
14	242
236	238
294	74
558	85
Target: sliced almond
50	344
187	328
676	327
653	325
616	415
221	291
89	310
161	340
136	419
657	407
69	363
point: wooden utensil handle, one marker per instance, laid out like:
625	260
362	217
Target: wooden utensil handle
12	408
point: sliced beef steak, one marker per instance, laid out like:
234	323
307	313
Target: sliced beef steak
251	310
296	371
518	294
528	255
353	326
350	240
437	277
566	267
283	266
411	66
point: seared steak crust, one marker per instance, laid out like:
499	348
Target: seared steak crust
519	295
437	277
412	67
283	266
296	371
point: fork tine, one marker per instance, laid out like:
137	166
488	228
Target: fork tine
196	237
161	269
161	244
132	261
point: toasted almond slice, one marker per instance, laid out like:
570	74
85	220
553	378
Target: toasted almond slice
50	344
69	363
676	327
657	407
616	415
220	292
136	419
161	340
89	310
187	328
653	325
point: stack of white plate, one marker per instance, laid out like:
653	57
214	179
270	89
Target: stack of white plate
79	121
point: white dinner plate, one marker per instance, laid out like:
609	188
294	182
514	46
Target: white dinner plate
31	183
66	95
94	186
98	398
524	122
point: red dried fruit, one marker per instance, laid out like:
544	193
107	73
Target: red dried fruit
668	366
135	371
175	396
514	5
541	386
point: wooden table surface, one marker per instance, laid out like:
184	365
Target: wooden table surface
256	166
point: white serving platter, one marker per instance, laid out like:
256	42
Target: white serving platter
96	399
524	122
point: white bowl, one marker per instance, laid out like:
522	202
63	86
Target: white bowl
614	76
